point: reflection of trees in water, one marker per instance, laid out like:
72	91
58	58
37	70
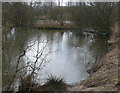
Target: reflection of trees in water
99	46
26	40
15	50
12	47
77	41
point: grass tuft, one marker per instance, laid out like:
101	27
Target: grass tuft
55	84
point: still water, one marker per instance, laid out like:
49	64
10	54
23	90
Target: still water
62	54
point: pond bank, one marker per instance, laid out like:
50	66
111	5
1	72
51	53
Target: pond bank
54	24
104	73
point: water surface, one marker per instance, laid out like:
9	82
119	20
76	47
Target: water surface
63	54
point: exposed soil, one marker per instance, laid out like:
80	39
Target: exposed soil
104	73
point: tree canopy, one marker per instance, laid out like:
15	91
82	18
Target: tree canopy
96	15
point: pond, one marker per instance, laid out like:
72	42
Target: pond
63	54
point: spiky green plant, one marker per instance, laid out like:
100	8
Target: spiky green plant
54	83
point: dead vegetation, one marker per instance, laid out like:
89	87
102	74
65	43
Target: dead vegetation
105	72
28	84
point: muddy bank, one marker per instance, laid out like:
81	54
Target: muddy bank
104	73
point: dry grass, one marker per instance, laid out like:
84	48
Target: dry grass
105	71
52	84
27	83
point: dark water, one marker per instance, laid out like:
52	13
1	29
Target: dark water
63	54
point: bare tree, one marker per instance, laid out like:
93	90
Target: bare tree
37	65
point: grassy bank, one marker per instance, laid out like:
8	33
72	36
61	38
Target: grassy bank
104	73
47	27
54	24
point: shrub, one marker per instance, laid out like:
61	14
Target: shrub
27	83
55	84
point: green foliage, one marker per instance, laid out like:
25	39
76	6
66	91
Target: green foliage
54	84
